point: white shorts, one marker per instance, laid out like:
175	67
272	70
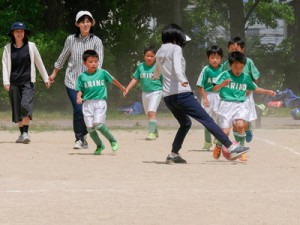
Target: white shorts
94	112
251	107
151	101
214	101
228	112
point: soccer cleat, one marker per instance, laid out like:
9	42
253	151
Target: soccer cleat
175	159
114	146
151	137
243	157
249	135
217	152
99	149
20	139
26	138
206	146
236	150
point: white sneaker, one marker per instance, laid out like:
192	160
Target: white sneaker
85	143
26	138
78	145
235	150
20	139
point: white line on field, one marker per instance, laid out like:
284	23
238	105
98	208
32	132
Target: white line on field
280	146
146	191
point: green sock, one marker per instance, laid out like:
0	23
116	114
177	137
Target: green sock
207	136
152	126
105	132
241	139
249	127
94	135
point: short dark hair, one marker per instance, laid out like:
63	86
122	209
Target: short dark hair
173	33
150	48
214	49
89	53
237	40
237	57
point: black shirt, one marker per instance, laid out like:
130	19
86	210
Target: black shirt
20	65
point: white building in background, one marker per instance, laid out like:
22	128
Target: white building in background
268	35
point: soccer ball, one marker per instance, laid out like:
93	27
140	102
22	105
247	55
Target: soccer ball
295	113
225	151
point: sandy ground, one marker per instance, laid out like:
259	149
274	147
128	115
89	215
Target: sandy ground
47	182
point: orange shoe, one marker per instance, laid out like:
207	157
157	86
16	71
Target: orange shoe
217	152
243	157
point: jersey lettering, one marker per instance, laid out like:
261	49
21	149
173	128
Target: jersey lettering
146	75
237	86
94	83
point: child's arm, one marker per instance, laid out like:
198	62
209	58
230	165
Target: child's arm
204	96
117	83
223	84
79	97
129	86
265	91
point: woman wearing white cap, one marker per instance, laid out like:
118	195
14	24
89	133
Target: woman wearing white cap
20	57
74	47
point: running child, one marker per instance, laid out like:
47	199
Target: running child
179	97
210	99
233	108
92	93
237	44
152	89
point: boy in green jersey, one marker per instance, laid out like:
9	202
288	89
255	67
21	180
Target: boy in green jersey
210	99
233	109
152	89
92	93
237	44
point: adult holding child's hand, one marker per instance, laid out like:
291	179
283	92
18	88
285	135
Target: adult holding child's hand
75	45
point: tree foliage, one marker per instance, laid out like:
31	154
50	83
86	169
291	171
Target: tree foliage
127	26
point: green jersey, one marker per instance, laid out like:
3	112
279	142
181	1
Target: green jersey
208	76
249	69
93	86
144	74
236	90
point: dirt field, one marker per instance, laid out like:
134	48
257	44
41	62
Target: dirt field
47	182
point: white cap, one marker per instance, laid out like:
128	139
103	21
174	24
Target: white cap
84	13
187	38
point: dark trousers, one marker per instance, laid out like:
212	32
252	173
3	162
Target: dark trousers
185	105
21	100
78	120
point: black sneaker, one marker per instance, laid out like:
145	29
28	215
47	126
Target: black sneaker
236	150
175	159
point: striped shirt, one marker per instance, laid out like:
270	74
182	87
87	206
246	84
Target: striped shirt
73	50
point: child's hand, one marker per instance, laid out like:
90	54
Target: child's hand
184	84
205	102
125	92
226	82
270	92
79	101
